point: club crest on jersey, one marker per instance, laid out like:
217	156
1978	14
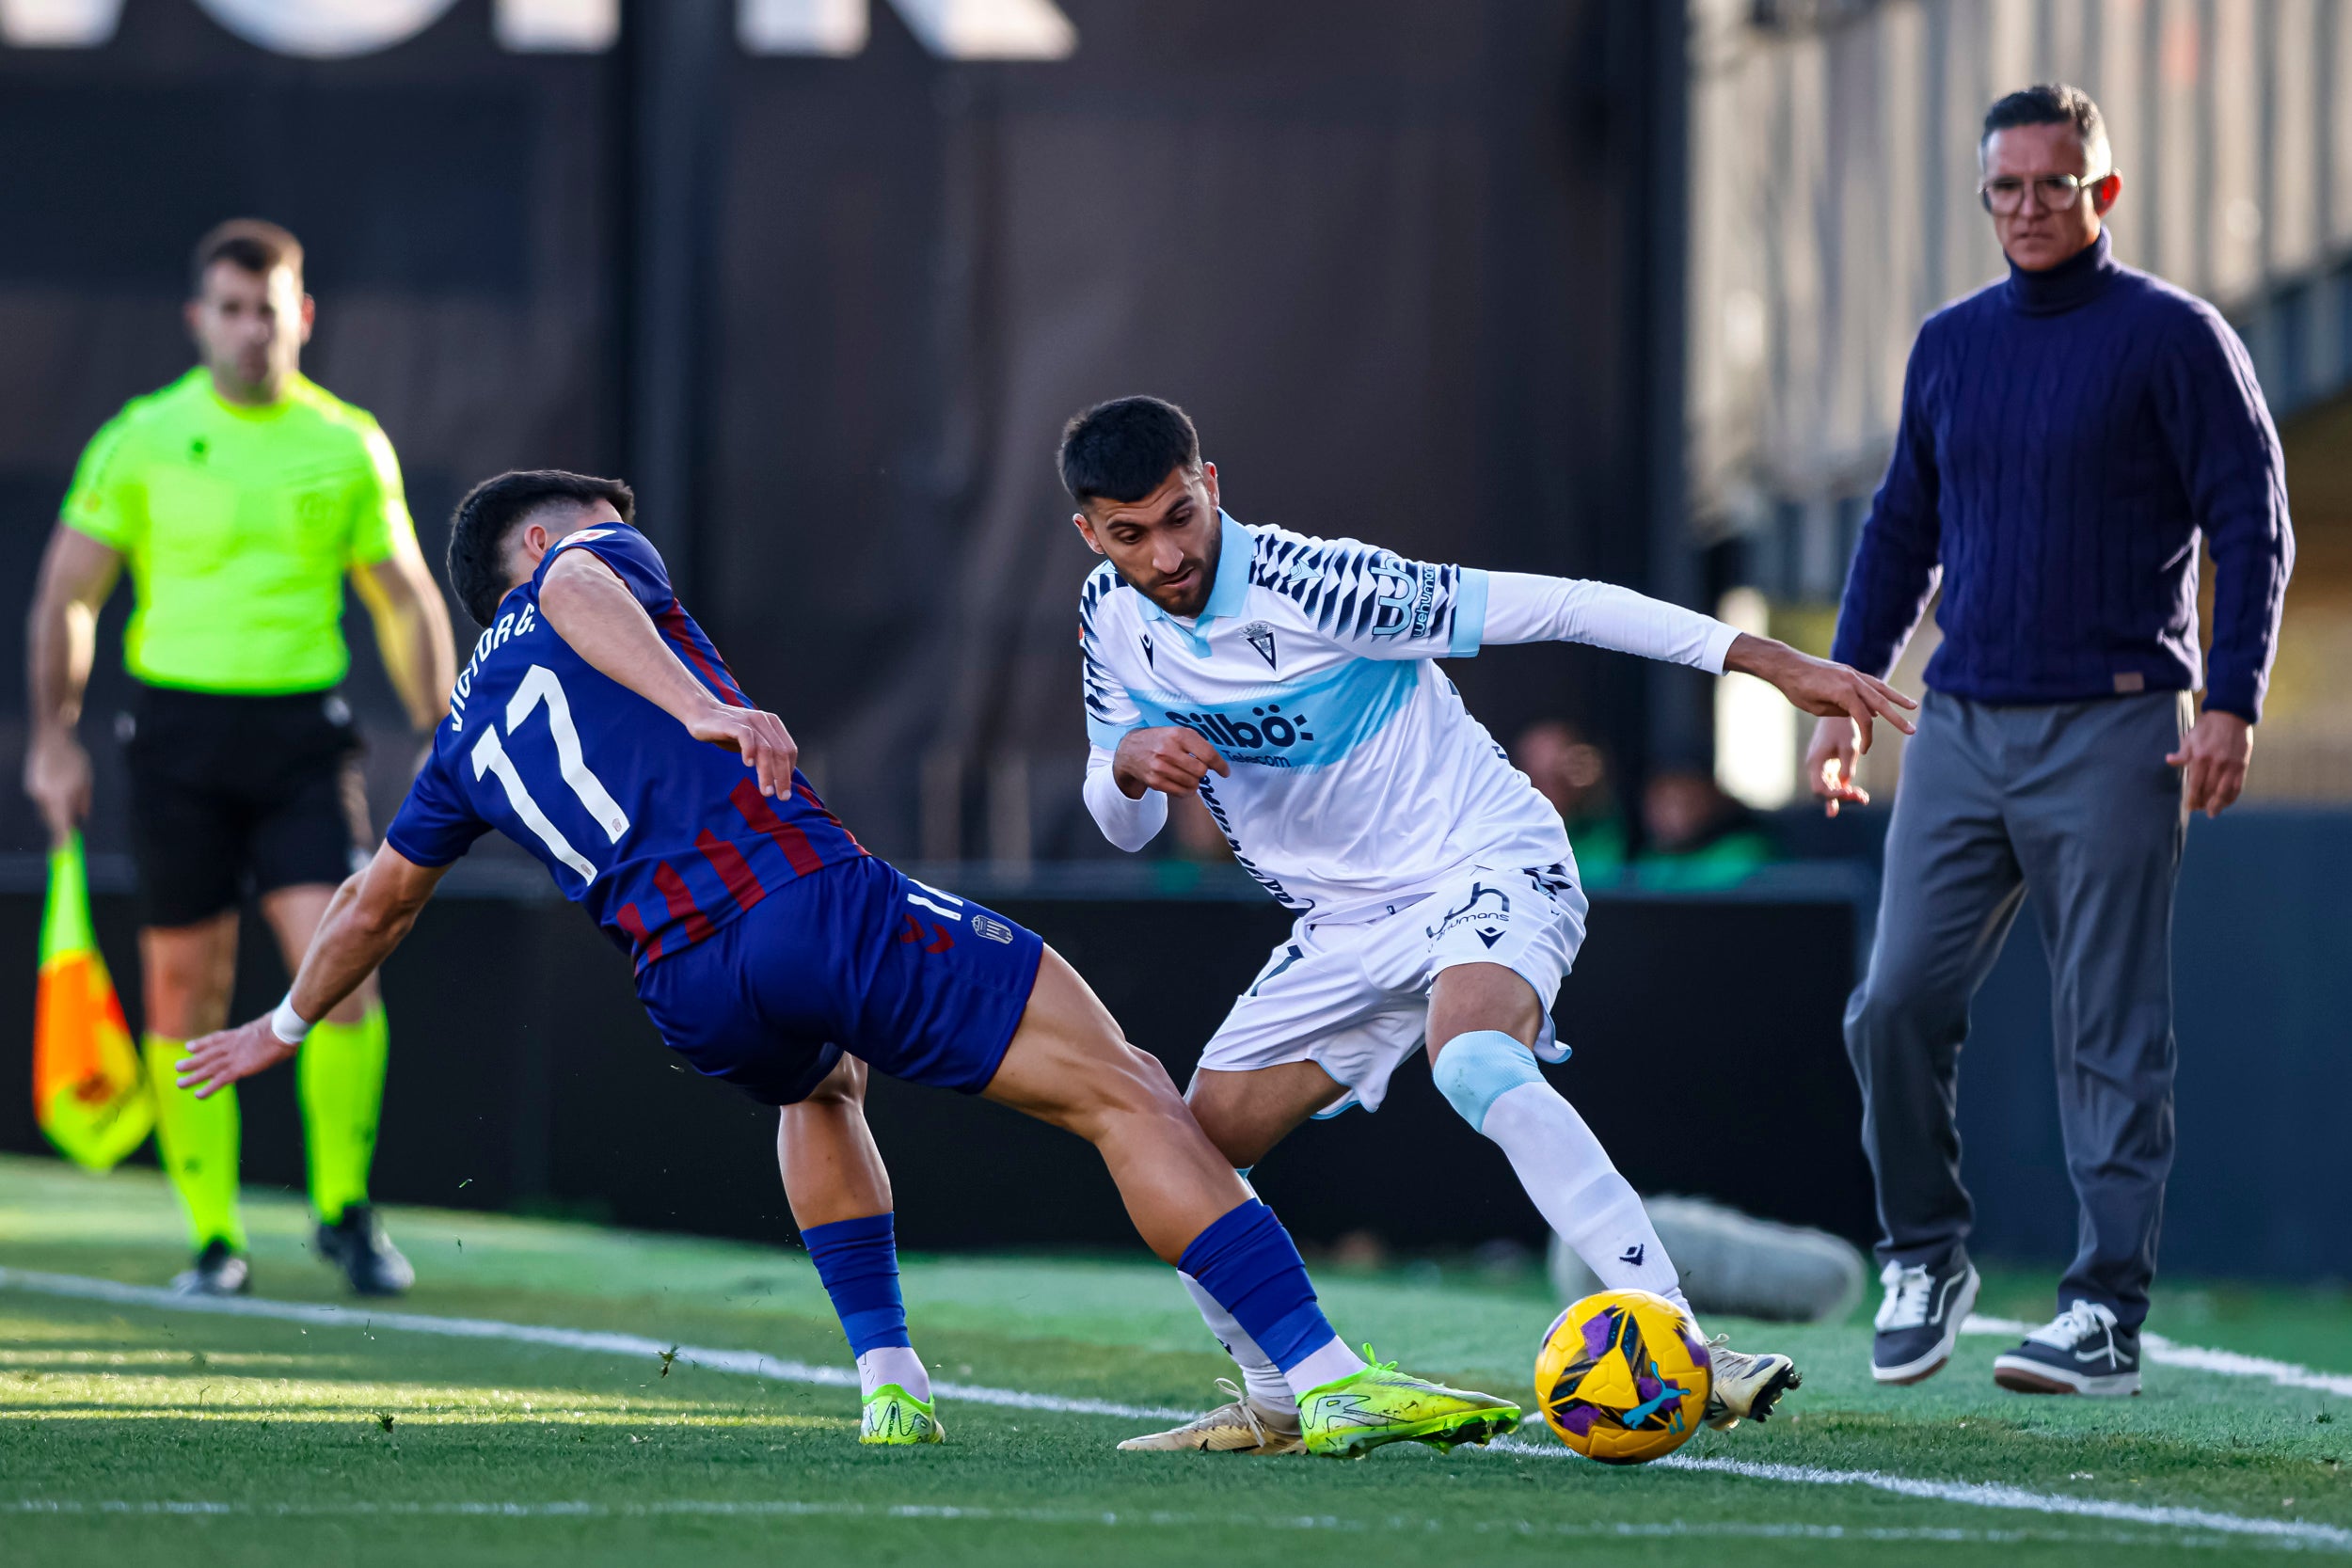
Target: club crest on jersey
1260	637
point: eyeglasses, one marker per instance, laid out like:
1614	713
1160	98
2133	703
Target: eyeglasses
2006	193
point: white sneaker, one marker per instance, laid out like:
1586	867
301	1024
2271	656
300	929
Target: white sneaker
2079	1352
1241	1426
1745	1386
1918	1320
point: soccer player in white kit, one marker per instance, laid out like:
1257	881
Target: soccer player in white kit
1290	681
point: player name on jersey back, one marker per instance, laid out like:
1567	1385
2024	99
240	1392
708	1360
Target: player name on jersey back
661	837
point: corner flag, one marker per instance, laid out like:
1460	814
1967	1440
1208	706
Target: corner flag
88	1089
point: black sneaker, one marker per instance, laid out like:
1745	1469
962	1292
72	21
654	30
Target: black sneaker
216	1272
356	1245
1919	1320
2080	1351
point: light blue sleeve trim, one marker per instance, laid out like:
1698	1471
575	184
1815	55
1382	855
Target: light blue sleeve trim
1469	615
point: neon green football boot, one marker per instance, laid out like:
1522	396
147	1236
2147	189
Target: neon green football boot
1380	1404
896	1418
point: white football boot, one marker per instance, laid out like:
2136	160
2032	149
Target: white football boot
1745	1388
1240	1426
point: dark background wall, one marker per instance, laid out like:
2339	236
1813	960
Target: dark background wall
831	312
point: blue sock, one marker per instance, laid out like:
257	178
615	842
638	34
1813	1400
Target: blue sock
858	1261
1246	1260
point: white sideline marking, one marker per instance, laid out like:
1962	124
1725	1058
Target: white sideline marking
754	1364
770	1508
2168	1352
746	1363
1982	1495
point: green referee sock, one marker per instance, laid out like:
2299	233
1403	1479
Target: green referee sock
197	1140
339	1075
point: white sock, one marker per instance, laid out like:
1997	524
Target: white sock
1332	1363
1259	1376
896	1364
1568	1174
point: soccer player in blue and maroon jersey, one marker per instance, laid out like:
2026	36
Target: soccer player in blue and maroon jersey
597	727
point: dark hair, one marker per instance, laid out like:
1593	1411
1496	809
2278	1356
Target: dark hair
249	245
2052	103
494	508
1123	450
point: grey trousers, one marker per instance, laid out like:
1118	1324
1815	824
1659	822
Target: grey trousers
2073	803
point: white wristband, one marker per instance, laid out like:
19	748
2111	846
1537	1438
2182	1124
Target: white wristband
287	1024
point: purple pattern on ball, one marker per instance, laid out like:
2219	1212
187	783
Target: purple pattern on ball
1578	1418
1599	1329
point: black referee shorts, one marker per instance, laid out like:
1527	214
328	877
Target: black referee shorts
237	795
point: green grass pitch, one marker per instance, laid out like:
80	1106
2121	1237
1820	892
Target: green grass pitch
133	1435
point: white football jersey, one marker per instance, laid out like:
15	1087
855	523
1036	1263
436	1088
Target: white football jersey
1359	780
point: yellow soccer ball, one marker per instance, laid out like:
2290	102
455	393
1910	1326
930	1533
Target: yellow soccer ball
1623	1377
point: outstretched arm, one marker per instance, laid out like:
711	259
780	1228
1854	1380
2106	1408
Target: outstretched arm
594	613
370	915
1521	608
1821	686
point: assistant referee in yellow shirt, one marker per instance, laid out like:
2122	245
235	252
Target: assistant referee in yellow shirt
241	496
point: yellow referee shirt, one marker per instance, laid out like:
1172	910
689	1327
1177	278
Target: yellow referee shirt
239	525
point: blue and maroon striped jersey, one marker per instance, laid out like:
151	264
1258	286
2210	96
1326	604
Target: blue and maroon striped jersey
663	838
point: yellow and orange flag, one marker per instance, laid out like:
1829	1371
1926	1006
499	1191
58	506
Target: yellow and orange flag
87	1089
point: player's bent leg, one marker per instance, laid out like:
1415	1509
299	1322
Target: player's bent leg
338	1079
839	1190
1070	1065
1246	1114
833	1169
1482	1020
187	971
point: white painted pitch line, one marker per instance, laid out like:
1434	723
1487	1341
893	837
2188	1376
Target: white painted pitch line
984	1513
2169	1352
753	1364
1983	1494
743	1362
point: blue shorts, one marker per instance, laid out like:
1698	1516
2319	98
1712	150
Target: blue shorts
856	958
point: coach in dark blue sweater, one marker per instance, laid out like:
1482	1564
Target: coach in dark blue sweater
2068	436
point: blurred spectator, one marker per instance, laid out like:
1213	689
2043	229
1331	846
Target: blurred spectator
1696	835
1573	774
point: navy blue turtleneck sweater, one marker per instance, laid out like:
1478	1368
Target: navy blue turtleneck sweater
2066	435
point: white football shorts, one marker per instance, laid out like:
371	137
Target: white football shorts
1354	999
